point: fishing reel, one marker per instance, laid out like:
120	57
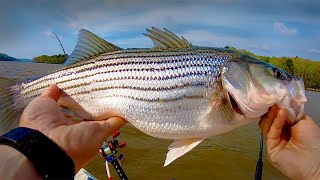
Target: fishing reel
108	151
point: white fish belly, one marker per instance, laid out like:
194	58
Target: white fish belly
169	120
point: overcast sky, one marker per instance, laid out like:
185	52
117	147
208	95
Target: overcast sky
272	27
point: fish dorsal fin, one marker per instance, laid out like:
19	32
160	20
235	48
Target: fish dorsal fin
180	147
166	39
89	46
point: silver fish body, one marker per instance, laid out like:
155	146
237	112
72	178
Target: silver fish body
166	94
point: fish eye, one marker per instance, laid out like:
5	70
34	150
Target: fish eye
279	74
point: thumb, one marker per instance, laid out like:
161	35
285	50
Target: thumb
111	125
52	92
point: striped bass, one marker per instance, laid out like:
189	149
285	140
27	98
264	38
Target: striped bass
172	91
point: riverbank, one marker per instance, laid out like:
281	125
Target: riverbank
312	89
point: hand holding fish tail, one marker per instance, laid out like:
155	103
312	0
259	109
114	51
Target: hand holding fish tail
293	149
73	137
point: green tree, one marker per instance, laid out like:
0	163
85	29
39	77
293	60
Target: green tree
289	67
54	59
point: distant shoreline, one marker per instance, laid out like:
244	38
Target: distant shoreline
17	60
312	89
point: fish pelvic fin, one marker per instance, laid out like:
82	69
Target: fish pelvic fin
166	39
11	107
89	46
180	147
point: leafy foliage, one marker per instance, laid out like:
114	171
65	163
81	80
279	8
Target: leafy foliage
55	59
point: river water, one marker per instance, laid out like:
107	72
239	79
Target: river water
228	156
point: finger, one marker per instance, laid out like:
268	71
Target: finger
98	130
107	127
267	120
111	125
52	92
277	125
273	110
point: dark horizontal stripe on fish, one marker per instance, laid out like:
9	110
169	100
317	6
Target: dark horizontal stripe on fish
136	98
153	53
191	63
122	59
131	70
175	58
135	58
211	55
185	63
150	100
199	73
165	52
164	88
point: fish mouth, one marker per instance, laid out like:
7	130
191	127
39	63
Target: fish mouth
234	105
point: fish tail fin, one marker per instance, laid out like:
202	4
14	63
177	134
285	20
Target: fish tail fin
11	105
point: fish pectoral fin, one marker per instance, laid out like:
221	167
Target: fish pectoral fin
221	109
89	46
180	147
166	39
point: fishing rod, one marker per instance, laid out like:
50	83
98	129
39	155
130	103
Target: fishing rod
59	42
108	152
259	166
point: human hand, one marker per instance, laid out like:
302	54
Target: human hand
80	140
294	150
